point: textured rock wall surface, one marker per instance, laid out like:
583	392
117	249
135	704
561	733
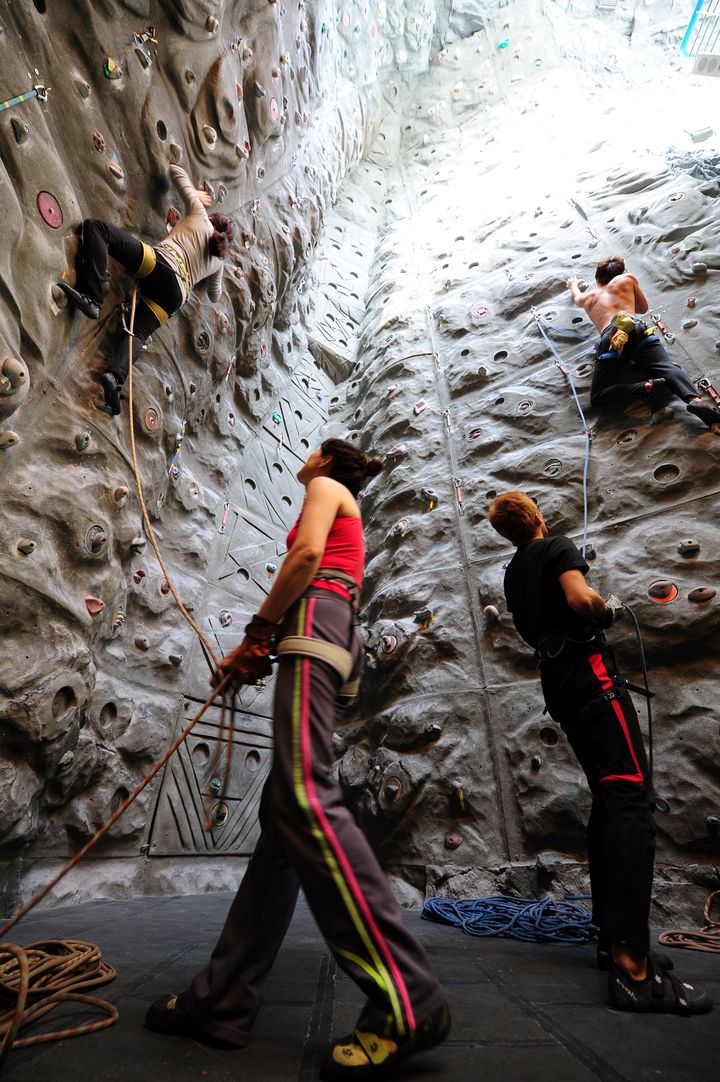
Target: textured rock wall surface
511	175
466	193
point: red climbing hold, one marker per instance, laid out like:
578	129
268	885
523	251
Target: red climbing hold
49	209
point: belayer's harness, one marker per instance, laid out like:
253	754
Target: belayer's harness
337	657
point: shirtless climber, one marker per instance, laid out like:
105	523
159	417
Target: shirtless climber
631	359
192	252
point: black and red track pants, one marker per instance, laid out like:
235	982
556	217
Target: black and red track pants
584	692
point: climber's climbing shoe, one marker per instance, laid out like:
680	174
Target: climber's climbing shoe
707	414
364	1055
87	305
660	993
111	391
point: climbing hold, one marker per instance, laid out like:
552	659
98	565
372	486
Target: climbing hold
392	389
25	546
491	614
277	417
392	790
274	109
701	594
138	575
221	193
94	605
424	618
699	268
14	385
216	784
138	544
688	547
83	88
116	169
212	25
172	217
452	841
119	495
712	825
8	439
688	324
231	420
589	552
553	467
210	134
142	642
151	419
220	815
98	140
270	569
20	130
259	90
225	618
400	528
119	620
112	68
388	645
164	587
666	473
535	762
49	209
396	453
176	659
691	302
480	310
202	343
429	495
525	406
662	591
176	153
419	406
95	540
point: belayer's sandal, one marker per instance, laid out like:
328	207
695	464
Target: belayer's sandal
660	993
364	1055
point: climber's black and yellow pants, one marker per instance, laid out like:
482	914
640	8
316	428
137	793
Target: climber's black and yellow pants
585	693
161	294
620	377
310	839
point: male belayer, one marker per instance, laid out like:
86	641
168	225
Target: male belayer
562	618
631	359
192	252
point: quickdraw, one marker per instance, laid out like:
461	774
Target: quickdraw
40	92
705	385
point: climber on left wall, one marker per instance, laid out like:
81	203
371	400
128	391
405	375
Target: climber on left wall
192	252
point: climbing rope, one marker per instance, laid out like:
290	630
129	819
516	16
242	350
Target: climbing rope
43	975
209	654
531	920
587	431
706	939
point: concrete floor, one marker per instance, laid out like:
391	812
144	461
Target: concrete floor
520	1013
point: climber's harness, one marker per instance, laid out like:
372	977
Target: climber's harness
337	657
551	647
623	329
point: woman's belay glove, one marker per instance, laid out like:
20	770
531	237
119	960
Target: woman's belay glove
249	662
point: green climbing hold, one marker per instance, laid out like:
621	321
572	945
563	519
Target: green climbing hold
112	69
82	441
504	44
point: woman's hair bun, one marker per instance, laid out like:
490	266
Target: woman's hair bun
374	466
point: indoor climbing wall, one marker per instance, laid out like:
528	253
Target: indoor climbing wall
268	107
494	201
411	183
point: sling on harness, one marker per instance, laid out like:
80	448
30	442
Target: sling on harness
623	328
337	657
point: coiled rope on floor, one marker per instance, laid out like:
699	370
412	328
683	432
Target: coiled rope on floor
40	977
706	939
531	920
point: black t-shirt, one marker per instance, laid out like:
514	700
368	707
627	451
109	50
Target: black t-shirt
534	595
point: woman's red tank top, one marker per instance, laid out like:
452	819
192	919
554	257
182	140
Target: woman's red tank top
344	551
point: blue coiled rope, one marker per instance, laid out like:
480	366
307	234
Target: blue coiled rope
531	920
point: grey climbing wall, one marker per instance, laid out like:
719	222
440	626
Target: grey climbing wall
408	180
